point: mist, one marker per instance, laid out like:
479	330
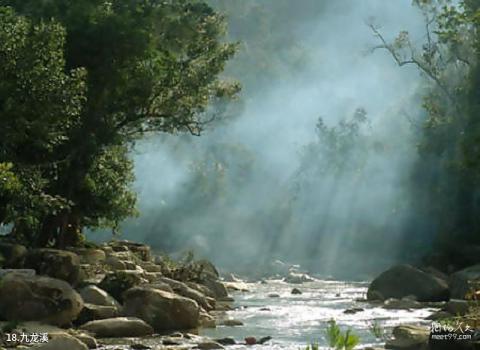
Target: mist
246	193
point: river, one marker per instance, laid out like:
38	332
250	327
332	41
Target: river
293	320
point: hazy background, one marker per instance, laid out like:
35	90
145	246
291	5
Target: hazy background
250	189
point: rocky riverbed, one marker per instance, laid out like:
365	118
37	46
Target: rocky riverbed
118	294
121	296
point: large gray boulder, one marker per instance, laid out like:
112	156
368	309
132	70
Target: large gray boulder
457	307
187	292
114	263
118	327
93	295
38	298
208	269
405	281
161	309
54	263
464	281
218	288
91	312
201	288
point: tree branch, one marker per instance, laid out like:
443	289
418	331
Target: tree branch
411	60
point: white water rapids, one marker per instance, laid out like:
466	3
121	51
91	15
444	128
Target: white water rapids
294	320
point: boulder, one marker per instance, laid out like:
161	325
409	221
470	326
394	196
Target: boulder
297	278
13	254
89	274
435	272
130	265
206	320
94	295
151	267
54	263
152	277
38	298
63	341
217	288
163	310
462	282
159	285
117	282
142	251
91	312
404	280
115	263
409	337
296	291
187	292
118	327
208	269
88	340
90	256
457	307
201	288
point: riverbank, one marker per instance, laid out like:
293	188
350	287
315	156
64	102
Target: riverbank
116	295
120	295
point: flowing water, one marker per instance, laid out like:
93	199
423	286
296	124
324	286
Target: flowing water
294	320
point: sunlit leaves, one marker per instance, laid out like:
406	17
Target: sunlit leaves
81	80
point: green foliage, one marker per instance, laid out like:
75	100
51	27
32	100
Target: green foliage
339	340
79	83
313	346
39	104
338	148
107	193
446	178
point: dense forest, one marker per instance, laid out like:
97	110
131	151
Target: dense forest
92	93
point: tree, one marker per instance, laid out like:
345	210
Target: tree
40	104
447	177
151	66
